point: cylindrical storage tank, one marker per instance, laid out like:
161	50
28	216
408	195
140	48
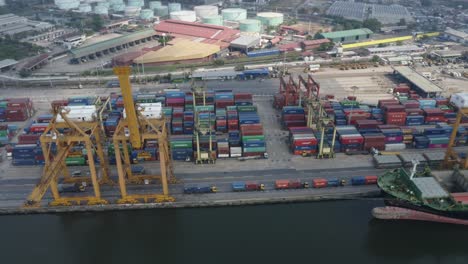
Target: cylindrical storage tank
116	2
101	10
118	7
162	11
85	8
250	25
270	18
154	4
147	14
105	4
206	10
234	14
137	3
67	4
132	11
188	16
213	20
174	7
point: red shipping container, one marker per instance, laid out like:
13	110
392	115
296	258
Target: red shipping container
433	112
394	108
290	117
442	101
414	111
295	184
28	139
431	119
371	179
59	103
300	152
251	127
351	139
401	89
411	104
366	123
305	142
243	96
319	183
383	102
281	184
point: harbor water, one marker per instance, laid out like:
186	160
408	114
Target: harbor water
320	232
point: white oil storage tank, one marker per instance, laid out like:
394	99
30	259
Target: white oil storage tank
137	3
116	2
118	7
67	4
101	10
153	4
206	11
188	16
85	8
147	14
174	7
234	14
270	18
161	11
105	4
132	11
213	20
250	25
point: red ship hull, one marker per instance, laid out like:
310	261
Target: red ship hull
398	213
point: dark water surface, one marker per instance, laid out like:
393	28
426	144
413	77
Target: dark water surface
322	232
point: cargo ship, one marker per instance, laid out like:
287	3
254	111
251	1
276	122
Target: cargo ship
412	196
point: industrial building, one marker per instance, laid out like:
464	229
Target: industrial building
418	82
209	34
179	50
7	64
313	44
345	36
11	25
393	50
456	35
386	14
447	55
96	50
245	42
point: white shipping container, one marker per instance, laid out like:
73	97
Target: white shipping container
460	100
79	107
223	155
395	147
236	152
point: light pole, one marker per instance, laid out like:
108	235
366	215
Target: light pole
164	39
354	88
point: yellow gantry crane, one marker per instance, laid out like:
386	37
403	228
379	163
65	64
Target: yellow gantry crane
451	156
140	129
65	135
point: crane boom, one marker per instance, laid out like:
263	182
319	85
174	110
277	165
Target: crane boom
51	173
123	72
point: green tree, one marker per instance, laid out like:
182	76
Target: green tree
375	58
402	22
318	35
426	3
218	62
96	23
372	24
326	46
309	37
381	45
399	43
24	73
239	67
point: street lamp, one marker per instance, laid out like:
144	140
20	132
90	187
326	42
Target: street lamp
164	39
354	88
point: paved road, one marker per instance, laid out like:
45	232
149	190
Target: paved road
13	192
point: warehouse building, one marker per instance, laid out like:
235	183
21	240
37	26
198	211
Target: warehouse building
386	14
92	51
208	34
418	82
456	35
180	50
346	36
394	50
245	43
313	44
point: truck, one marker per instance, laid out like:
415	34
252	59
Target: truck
290	184
264	156
364	180
200	189
136	169
247	186
70	188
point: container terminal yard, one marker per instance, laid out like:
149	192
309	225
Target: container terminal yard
281	156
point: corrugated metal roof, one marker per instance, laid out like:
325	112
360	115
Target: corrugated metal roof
315	42
181	49
429	188
347	33
7	63
246	41
457	33
107	44
197	30
418	80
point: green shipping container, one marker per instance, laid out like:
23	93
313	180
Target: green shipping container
247	108
247	138
349	103
181	144
75	161
3	133
259	149
231	108
167	111
204	108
